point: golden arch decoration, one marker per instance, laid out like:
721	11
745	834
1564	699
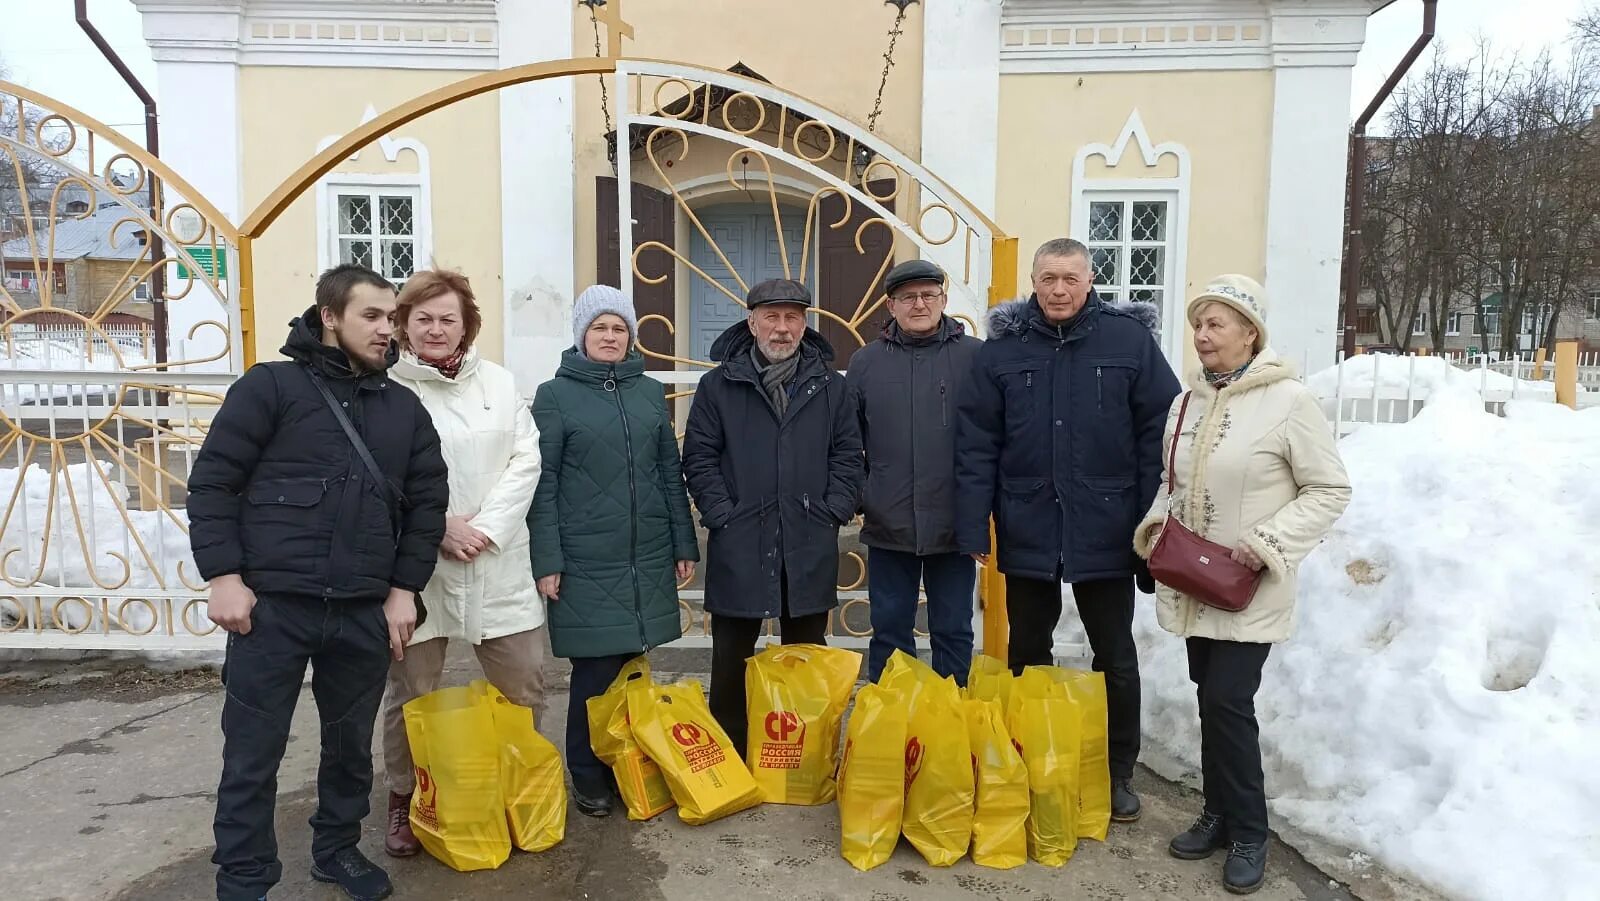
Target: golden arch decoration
815	134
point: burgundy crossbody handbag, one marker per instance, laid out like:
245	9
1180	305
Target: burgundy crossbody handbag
1191	565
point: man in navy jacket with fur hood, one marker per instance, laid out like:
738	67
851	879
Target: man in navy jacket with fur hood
1059	437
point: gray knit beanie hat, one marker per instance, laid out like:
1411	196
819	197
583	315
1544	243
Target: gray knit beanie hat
595	302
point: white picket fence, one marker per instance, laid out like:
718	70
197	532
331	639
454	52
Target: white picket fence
30	345
1396	388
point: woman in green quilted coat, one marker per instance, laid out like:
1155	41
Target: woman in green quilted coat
611	531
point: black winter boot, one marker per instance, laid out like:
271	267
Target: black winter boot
1203	838
1246	867
1125	805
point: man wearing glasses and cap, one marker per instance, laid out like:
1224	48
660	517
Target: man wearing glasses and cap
906	385
772	456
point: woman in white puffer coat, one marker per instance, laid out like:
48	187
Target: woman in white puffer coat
482	591
1257	471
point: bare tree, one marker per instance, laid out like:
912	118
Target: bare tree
1587	25
1420	194
1539	209
1487	187
26	178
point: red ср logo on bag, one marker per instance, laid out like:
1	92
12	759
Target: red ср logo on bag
687	734
787	745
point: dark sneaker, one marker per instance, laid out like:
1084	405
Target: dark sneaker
1125	807
1202	840
349	869
400	840
1246	867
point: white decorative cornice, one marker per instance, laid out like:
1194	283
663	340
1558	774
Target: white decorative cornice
1150	35
406	34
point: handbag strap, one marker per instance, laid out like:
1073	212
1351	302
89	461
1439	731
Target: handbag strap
385	490
1172	452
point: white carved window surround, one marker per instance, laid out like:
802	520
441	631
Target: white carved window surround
1137	227
381	221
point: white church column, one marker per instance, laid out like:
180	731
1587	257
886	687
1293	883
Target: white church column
536	191
196	50
961	110
1314	51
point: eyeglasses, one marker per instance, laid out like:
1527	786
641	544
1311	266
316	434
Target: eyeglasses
927	298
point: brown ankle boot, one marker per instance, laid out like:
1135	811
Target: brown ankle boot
401	841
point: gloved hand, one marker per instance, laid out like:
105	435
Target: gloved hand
1142	578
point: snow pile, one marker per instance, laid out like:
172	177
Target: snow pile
1439	705
114	554
1423	375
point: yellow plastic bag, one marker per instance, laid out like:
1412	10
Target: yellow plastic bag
999	822
531	777
1046	727
458	811
796	697
643	788
939	781
989	679
1088	691
675	727
872	778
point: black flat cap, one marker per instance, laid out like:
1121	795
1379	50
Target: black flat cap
912	271
778	290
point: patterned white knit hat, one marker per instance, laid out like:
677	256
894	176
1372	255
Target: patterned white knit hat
1241	292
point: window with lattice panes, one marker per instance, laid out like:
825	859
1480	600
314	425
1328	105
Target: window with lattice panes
377	228
1131	247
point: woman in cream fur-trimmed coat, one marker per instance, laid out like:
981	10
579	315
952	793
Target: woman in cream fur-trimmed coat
1256	470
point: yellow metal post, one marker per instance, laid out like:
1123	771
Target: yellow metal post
247	301
1567	373
992	586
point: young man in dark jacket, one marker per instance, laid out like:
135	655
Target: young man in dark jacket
1059	436
772	455
906	385
310	560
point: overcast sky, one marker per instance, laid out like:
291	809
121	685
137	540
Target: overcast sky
44	49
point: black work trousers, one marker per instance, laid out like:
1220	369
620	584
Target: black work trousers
591	676
1226	675
347	645
733	643
1033	607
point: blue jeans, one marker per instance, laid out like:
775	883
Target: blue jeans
892	580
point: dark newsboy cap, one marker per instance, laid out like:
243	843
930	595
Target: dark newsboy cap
778	290
912	271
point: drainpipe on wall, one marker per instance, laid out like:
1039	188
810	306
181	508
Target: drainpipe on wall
1356	197
152	143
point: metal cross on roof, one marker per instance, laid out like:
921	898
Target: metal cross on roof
610	12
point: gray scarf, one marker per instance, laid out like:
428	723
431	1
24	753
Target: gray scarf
774	376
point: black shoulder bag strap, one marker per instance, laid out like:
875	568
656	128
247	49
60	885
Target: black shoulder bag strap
385	489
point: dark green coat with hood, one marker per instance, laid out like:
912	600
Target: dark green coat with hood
610	513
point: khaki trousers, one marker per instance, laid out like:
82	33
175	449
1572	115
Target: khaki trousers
512	663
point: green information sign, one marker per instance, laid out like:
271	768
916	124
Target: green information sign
214	265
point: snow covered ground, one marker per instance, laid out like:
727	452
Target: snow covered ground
1439	706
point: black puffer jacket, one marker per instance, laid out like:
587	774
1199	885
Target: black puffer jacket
279	495
772	493
907	390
